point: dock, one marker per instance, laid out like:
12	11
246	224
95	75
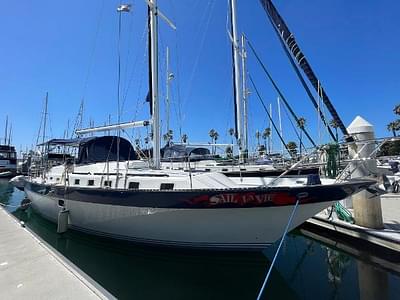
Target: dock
31	269
387	238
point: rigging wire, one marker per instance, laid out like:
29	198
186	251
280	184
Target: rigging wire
268	114
131	76
93	50
210	7
293	126
178	110
279	91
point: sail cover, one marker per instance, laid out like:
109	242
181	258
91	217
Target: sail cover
289	40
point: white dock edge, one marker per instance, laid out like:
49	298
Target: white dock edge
384	238
31	269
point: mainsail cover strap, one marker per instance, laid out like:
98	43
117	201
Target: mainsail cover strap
289	40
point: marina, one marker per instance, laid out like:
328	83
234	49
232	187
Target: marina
130	271
206	159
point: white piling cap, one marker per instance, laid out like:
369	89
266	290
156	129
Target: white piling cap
360	125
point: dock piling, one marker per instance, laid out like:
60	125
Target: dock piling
367	206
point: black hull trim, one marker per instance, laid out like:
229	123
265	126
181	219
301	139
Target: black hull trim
205	199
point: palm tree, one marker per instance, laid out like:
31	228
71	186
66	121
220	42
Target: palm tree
229	151
334	125
211	133
258	135
168	136
396	109
266	135
301	123
231	132
216	136
184	138
393	127
292	148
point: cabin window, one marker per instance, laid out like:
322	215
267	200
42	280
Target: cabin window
224	170
107	183
133	185
77	181
166	186
51	178
57	179
90	182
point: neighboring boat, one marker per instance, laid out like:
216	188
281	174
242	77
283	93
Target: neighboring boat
8	155
8	161
108	191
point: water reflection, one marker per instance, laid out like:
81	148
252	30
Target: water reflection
306	268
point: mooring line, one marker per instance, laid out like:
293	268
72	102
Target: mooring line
279	248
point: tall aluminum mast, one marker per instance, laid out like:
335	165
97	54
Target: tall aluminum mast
154	82
236	78
154	12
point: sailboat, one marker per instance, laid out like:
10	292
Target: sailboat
8	155
107	191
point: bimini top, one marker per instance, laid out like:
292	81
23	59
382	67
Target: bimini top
98	148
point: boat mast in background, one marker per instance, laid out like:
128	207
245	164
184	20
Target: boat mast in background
169	78
245	94
280	122
5	131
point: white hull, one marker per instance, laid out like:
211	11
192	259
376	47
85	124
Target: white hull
234	228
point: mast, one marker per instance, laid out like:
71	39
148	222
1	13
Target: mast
270	124
154	81
5	132
236	78
45	118
167	90
280	122
9	135
245	97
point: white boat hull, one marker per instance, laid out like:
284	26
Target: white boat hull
225	228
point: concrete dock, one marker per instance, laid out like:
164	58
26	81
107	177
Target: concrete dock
30	269
387	238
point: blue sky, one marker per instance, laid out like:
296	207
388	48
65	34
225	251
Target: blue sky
69	49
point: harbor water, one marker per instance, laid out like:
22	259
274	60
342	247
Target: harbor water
306	267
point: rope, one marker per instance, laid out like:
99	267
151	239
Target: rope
332	151
343	213
277	251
